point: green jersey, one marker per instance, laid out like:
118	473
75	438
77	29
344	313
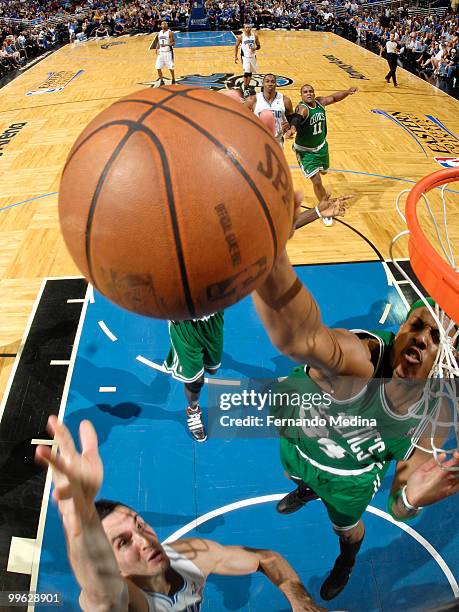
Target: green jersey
312	133
352	436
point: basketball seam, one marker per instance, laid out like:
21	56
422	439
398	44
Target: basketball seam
95	197
142	117
134	127
240	169
235	162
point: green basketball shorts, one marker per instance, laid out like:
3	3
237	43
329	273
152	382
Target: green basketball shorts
345	497
312	163
195	346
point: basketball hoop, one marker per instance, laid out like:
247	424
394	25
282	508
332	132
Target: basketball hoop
433	260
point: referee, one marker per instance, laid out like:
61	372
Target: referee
392	58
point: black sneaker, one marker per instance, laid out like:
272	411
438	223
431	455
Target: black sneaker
195	424
337	580
341	572
295	500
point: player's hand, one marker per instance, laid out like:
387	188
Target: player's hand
236	60
431	482
290	131
334	207
77	476
352	90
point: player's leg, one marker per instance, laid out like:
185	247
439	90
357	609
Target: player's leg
194	413
212	342
247	69
312	164
171	66
159	65
185	362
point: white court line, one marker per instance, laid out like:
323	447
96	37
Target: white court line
55	362
47	489
395	282
106	331
21	348
209	381
21	555
222	381
107	389
75	301
252	501
37	441
151	364
91	294
383	318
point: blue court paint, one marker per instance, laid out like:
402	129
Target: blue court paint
151	463
205	39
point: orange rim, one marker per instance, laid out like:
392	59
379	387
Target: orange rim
436	275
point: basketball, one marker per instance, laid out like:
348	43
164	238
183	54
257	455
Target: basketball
174	202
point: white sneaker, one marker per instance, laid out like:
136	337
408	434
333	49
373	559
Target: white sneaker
195	424
327	221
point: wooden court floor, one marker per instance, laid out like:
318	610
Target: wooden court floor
373	155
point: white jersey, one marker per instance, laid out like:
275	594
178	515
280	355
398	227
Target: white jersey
248	45
164	41
189	598
277	107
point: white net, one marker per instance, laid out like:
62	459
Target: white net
439	405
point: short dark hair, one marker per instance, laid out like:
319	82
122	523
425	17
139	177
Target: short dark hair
269	74
104	507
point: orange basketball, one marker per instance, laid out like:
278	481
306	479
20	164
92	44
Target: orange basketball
174	202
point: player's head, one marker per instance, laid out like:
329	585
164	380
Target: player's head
392	36
247	28
164	25
269	83
307	94
134	543
416	343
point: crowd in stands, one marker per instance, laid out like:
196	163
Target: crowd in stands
30	27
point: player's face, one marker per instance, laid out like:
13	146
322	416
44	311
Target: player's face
308	95
269	83
247	30
135	544
416	346
164	26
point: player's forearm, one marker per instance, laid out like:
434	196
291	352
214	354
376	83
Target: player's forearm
280	572
95	568
340	95
288	311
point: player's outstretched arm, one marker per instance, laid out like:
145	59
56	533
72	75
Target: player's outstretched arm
292	320
422	481
337	96
77	479
328	207
213	558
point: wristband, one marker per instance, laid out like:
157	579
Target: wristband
409	507
319	216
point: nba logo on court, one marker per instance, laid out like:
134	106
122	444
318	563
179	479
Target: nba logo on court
448	162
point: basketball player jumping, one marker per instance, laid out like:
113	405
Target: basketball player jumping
310	144
117	558
345	467
164	45
249	43
196	345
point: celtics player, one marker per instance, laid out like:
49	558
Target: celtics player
195	347
344	465
311	145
